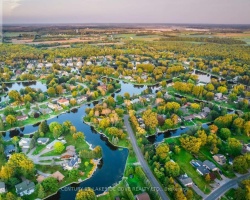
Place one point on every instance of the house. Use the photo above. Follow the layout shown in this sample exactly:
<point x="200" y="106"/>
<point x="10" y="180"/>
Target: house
<point x="185" y="180"/>
<point x="9" y="149"/>
<point x="220" y="159"/>
<point x="247" y="147"/>
<point x="42" y="141"/>
<point x="58" y="175"/>
<point x="30" y="66"/>
<point x="79" y="64"/>
<point x="25" y="188"/>
<point x="25" y="143"/>
<point x="202" y="170"/>
<point x="218" y="96"/>
<point x="143" y="196"/>
<point x="48" y="65"/>
<point x="81" y="99"/>
<point x="206" y="110"/>
<point x="40" y="178"/>
<point x="2" y="187"/>
<point x="22" y="118"/>
<point x="134" y="101"/>
<point x="73" y="163"/>
<point x="70" y="152"/>
<point x="54" y="106"/>
<point x="188" y="118"/>
<point x="102" y="87"/>
<point x="63" y="102"/>
<point x="45" y="111"/>
<point x="209" y="165"/>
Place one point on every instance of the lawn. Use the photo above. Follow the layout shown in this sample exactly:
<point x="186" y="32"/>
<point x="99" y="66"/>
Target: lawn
<point x="38" y="149"/>
<point x="183" y="159"/>
<point x="230" y="194"/>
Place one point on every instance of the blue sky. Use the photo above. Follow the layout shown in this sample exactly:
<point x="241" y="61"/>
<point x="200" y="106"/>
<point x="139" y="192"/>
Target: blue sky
<point x="127" y="11"/>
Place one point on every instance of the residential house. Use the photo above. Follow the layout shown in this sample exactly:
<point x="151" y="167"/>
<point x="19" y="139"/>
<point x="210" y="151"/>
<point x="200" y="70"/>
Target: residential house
<point x="220" y="159"/>
<point x="206" y="110"/>
<point x="42" y="141"/>
<point x="54" y="106"/>
<point x="209" y="165"/>
<point x="25" y="188"/>
<point x="143" y="196"/>
<point x="102" y="87"/>
<point x="247" y="147"/>
<point x="185" y="180"/>
<point x="2" y="187"/>
<point x="63" y="102"/>
<point x="9" y="149"/>
<point x="30" y="66"/>
<point x="73" y="163"/>
<point x="218" y="96"/>
<point x="40" y="178"/>
<point x="188" y="118"/>
<point x="79" y="64"/>
<point x="58" y="175"/>
<point x="21" y="118"/>
<point x="25" y="143"/>
<point x="70" y="152"/>
<point x="45" y="111"/>
<point x="81" y="99"/>
<point x="134" y="101"/>
<point x="48" y="65"/>
<point x="202" y="170"/>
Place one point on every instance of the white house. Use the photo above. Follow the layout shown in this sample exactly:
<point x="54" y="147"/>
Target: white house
<point x="25" y="188"/>
<point x="2" y="187"/>
<point x="25" y="143"/>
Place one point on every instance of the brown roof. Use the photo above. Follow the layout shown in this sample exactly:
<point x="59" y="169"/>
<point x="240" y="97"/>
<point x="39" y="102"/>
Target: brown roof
<point x="58" y="175"/>
<point x="70" y="148"/>
<point x="40" y="178"/>
<point x="143" y="196"/>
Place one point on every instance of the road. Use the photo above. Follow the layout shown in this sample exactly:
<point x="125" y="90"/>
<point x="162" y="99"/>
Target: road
<point x="144" y="164"/>
<point x="225" y="187"/>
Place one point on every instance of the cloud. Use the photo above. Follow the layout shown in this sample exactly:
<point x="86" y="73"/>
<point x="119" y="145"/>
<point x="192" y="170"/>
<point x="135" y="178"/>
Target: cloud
<point x="10" y="5"/>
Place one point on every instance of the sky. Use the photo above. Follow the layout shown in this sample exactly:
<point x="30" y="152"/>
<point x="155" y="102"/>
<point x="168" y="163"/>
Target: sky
<point x="126" y="11"/>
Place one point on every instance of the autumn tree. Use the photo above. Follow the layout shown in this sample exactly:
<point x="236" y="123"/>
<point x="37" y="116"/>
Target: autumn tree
<point x="191" y="143"/>
<point x="162" y="151"/>
<point x="85" y="194"/>
<point x="59" y="147"/>
<point x="172" y="168"/>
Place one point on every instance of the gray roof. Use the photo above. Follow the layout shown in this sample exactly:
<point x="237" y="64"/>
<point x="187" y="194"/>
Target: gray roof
<point x="203" y="170"/>
<point x="209" y="164"/>
<point x="25" y="185"/>
<point x="185" y="180"/>
<point x="42" y="140"/>
<point x="73" y="161"/>
<point x="2" y="185"/>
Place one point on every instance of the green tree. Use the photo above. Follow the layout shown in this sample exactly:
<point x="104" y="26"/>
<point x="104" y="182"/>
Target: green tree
<point x="59" y="147"/>
<point x="234" y="146"/>
<point x="11" y="120"/>
<point x="225" y="133"/>
<point x="50" y="184"/>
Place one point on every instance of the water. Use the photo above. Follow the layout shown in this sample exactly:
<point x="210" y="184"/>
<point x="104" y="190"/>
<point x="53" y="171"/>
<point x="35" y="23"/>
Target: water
<point x="114" y="159"/>
<point x="174" y="133"/>
<point x="18" y="86"/>
<point x="203" y="77"/>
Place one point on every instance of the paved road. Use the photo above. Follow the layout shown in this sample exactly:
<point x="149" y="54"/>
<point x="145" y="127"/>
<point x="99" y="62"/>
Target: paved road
<point x="144" y="164"/>
<point x="225" y="187"/>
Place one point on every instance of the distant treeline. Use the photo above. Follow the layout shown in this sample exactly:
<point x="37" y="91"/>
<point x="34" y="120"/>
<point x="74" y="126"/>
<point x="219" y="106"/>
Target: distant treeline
<point x="204" y="39"/>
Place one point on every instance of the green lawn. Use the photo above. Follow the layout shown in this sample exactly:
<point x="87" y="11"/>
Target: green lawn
<point x="39" y="148"/>
<point x="229" y="195"/>
<point x="183" y="159"/>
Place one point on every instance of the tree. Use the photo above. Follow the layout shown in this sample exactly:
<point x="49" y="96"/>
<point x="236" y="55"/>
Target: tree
<point x="59" y="147"/>
<point x="56" y="129"/>
<point x="225" y="133"/>
<point x="240" y="164"/>
<point x="6" y="172"/>
<point x="51" y="92"/>
<point x="191" y="143"/>
<point x="43" y="127"/>
<point x="50" y="184"/>
<point x="189" y="194"/>
<point x="150" y="119"/>
<point x="1" y="124"/>
<point x="234" y="146"/>
<point x="208" y="178"/>
<point x="11" y="120"/>
<point x="195" y="106"/>
<point x="74" y="173"/>
<point x="78" y="136"/>
<point x="72" y="102"/>
<point x="162" y="151"/>
<point x="85" y="194"/>
<point x="172" y="168"/>
<point x="203" y="136"/>
<point x="40" y="191"/>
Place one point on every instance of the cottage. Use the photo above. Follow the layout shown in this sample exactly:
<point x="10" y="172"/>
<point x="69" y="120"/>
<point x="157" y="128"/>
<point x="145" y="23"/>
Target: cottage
<point x="134" y="101"/>
<point x="143" y="196"/>
<point x="209" y="165"/>
<point x="54" y="106"/>
<point x="81" y="99"/>
<point x="102" y="87"/>
<point x="40" y="178"/>
<point x="185" y="180"/>
<point x="220" y="159"/>
<point x="42" y="141"/>
<point x="45" y="111"/>
<point x="218" y="96"/>
<point x="70" y="152"/>
<point x="206" y="110"/>
<point x="9" y="149"/>
<point x="188" y="118"/>
<point x="25" y="188"/>
<point x="58" y="175"/>
<point x="25" y="143"/>
<point x="21" y="118"/>
<point x="63" y="102"/>
<point x="2" y="187"/>
<point x="73" y="163"/>
<point x="48" y="65"/>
